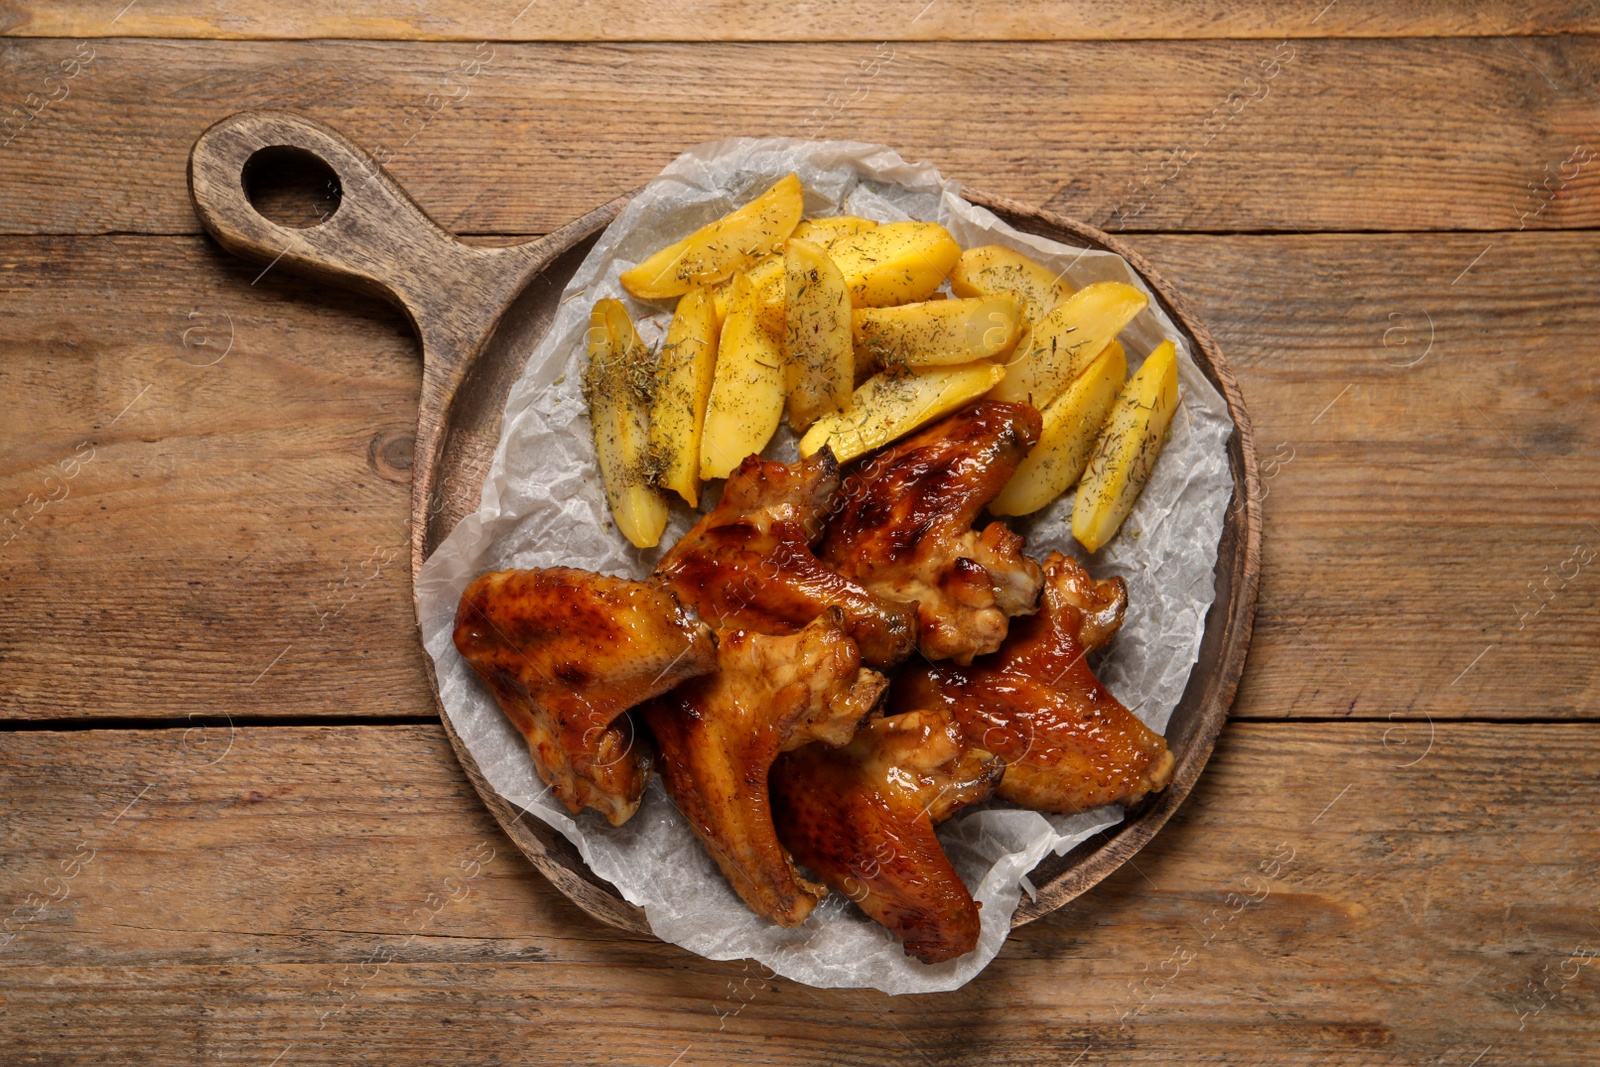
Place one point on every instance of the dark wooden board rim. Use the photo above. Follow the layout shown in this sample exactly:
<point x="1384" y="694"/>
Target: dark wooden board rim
<point x="461" y="299"/>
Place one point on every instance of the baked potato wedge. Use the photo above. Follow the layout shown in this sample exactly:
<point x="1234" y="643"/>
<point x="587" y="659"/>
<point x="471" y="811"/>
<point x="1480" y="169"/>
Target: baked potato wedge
<point x="935" y="333"/>
<point x="819" y="361"/>
<point x="685" y="366"/>
<point x="1072" y="424"/>
<point x="746" y="399"/>
<point x="618" y="384"/>
<point x="895" y="263"/>
<point x="714" y="251"/>
<point x="766" y="277"/>
<point x="823" y="232"/>
<point x="1067" y="340"/>
<point x="995" y="270"/>
<point x="1126" y="452"/>
<point x="889" y="406"/>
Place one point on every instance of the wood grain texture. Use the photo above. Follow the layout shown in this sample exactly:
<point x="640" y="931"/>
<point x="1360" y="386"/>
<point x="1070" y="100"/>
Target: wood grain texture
<point x="247" y="502"/>
<point x="1178" y="136"/>
<point x="242" y="510"/>
<point x="819" y="20"/>
<point x="262" y="900"/>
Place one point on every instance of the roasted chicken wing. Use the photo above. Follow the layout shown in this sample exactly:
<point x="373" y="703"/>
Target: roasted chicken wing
<point x="902" y="527"/>
<point x="748" y="563"/>
<point x="862" y="817"/>
<point x="1069" y="745"/>
<point x="719" y="736"/>
<point x="566" y="653"/>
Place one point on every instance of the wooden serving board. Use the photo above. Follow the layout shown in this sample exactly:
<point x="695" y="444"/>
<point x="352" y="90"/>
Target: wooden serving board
<point x="479" y="311"/>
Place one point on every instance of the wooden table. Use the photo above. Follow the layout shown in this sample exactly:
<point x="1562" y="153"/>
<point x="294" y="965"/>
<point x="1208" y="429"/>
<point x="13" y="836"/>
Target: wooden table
<point x="230" y="817"/>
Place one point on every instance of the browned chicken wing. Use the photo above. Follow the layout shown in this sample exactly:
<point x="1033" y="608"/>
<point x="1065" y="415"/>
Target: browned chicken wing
<point x="903" y="528"/>
<point x="566" y="653"/>
<point x="748" y="563"/>
<point x="719" y="736"/>
<point x="1069" y="745"/>
<point x="862" y="817"/>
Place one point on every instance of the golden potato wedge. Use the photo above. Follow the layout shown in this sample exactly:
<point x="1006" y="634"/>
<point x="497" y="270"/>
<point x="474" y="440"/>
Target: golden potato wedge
<point x="686" y="364"/>
<point x="618" y="383"/>
<point x="716" y="250"/>
<point x="888" y="406"/>
<point x="895" y="263"/>
<point x="1072" y="423"/>
<point x="824" y="232"/>
<point x="746" y="389"/>
<point x="936" y="333"/>
<point x="1066" y="341"/>
<point x="766" y="277"/>
<point x="819" y="362"/>
<point x="995" y="270"/>
<point x="1127" y="450"/>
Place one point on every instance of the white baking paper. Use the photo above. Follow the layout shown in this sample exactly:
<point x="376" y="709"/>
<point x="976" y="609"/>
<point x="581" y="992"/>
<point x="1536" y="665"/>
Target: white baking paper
<point x="543" y="505"/>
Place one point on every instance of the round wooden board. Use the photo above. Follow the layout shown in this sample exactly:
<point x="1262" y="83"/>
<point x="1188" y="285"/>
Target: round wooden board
<point x="480" y="311"/>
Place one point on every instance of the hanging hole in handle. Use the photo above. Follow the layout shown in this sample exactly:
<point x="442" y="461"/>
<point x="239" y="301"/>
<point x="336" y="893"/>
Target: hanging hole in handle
<point x="291" y="186"/>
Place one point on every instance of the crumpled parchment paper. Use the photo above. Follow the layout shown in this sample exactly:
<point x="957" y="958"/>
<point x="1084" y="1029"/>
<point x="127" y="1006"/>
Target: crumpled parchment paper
<point x="543" y="505"/>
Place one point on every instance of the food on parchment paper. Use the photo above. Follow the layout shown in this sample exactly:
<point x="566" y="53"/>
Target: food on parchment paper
<point x="731" y="243"/>
<point x="719" y="739"/>
<point x="752" y="655"/>
<point x="566" y="653"/>
<point x="895" y="263"/>
<point x="831" y="229"/>
<point x="844" y="321"/>
<point x="995" y="270"/>
<point x="936" y="333"/>
<point x="903" y="529"/>
<point x="1071" y="428"/>
<point x="1069" y="745"/>
<point x="619" y="382"/>
<point x="746" y="398"/>
<point x="749" y="562"/>
<point x="817" y="349"/>
<point x="889" y="406"/>
<point x="1128" y="448"/>
<point x="1060" y="346"/>
<point x="678" y="412"/>
<point x="862" y="817"/>
<point x="767" y="278"/>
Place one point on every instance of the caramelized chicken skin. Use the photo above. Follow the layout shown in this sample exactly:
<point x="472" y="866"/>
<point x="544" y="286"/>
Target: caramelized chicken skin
<point x="720" y="735"/>
<point x="862" y="817"/>
<point x="748" y="563"/>
<point x="902" y="527"/>
<point x="566" y="653"/>
<point x="1069" y="745"/>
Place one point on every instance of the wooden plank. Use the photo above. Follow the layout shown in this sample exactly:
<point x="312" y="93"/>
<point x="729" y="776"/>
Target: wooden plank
<point x="1178" y="136"/>
<point x="228" y="903"/>
<point x="825" y="20"/>
<point x="239" y="508"/>
<point x="235" y="513"/>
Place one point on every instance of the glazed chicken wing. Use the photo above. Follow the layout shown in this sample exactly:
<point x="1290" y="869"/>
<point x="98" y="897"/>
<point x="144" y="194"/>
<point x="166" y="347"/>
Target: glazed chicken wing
<point x="719" y="736"/>
<point x="566" y="653"/>
<point x="748" y="563"/>
<point x="903" y="529"/>
<point x="1069" y="745"/>
<point x="862" y="817"/>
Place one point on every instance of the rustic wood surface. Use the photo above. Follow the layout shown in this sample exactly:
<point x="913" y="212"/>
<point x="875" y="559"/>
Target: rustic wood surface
<point x="292" y="888"/>
<point x="1391" y="239"/>
<point x="816" y="20"/>
<point x="1083" y="128"/>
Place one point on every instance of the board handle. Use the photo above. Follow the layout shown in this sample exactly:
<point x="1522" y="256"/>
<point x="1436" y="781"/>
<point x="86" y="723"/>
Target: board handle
<point x="376" y="240"/>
